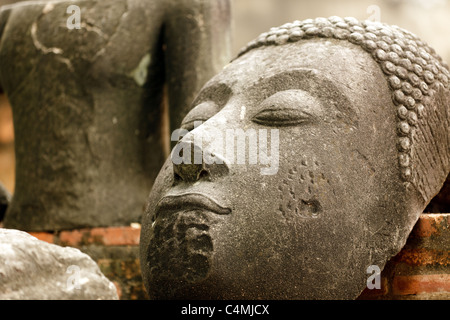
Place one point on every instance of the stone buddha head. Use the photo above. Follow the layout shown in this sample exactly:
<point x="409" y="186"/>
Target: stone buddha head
<point x="348" y="122"/>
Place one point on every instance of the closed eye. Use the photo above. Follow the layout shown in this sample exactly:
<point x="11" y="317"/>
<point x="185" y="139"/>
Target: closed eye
<point x="282" y="117"/>
<point x="199" y="114"/>
<point x="288" y="108"/>
<point x="189" y="126"/>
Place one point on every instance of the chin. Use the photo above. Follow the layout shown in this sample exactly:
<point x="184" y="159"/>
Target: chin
<point x="179" y="253"/>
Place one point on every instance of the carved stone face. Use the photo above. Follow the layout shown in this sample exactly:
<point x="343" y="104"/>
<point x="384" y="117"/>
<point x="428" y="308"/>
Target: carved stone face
<point x="334" y="205"/>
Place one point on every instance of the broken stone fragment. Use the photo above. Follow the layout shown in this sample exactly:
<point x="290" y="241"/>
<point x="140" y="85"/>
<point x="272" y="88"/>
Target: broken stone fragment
<point x="31" y="269"/>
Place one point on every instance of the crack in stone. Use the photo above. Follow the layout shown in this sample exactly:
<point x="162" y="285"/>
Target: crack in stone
<point x="92" y="28"/>
<point x="40" y="46"/>
<point x="102" y="50"/>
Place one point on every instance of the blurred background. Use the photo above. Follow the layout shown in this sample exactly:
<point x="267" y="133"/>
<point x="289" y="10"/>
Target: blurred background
<point x="429" y="19"/>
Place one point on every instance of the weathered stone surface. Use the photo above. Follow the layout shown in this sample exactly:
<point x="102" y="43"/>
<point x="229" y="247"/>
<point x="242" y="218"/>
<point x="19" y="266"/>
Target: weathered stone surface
<point x="91" y="127"/>
<point x="358" y="113"/>
<point x="116" y="251"/>
<point x="34" y="269"/>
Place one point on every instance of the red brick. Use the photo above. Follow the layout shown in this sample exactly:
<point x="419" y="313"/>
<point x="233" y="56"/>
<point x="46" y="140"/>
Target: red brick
<point x="44" y="236"/>
<point x="73" y="238"/>
<point x="415" y="284"/>
<point x="423" y="257"/>
<point x="431" y="224"/>
<point x="112" y="236"/>
<point x="116" y="236"/>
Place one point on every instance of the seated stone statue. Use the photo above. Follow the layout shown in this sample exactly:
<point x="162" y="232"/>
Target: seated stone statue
<point x="86" y="80"/>
<point x="359" y="113"/>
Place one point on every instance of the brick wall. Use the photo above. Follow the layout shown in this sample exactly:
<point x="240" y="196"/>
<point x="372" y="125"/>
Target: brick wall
<point x="420" y="271"/>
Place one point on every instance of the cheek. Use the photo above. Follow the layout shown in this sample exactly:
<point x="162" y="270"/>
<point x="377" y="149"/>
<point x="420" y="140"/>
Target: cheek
<point x="302" y="190"/>
<point x="162" y="184"/>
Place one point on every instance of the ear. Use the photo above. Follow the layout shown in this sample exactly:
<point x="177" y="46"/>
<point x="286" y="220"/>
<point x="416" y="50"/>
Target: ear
<point x="432" y="145"/>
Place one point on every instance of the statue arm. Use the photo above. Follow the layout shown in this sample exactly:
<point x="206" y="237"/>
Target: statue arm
<point x="4" y="15"/>
<point x="197" y="46"/>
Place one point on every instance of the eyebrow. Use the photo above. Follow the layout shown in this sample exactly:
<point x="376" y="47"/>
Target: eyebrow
<point x="311" y="81"/>
<point x="218" y="92"/>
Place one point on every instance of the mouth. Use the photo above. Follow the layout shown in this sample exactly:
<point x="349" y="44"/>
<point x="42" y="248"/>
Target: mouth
<point x="181" y="248"/>
<point x="189" y="201"/>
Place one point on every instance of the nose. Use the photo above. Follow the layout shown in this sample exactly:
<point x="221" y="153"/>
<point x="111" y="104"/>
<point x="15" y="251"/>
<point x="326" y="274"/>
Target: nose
<point x="192" y="163"/>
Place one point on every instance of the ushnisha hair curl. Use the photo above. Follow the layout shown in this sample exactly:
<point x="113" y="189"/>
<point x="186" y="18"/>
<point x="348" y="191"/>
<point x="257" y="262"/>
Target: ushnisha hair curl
<point x="418" y="79"/>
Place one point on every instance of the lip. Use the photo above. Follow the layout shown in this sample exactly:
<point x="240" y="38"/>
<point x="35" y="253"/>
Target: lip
<point x="186" y="201"/>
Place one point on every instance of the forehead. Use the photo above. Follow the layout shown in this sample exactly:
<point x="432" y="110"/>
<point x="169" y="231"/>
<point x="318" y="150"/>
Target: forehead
<point x="331" y="68"/>
<point x="343" y="63"/>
